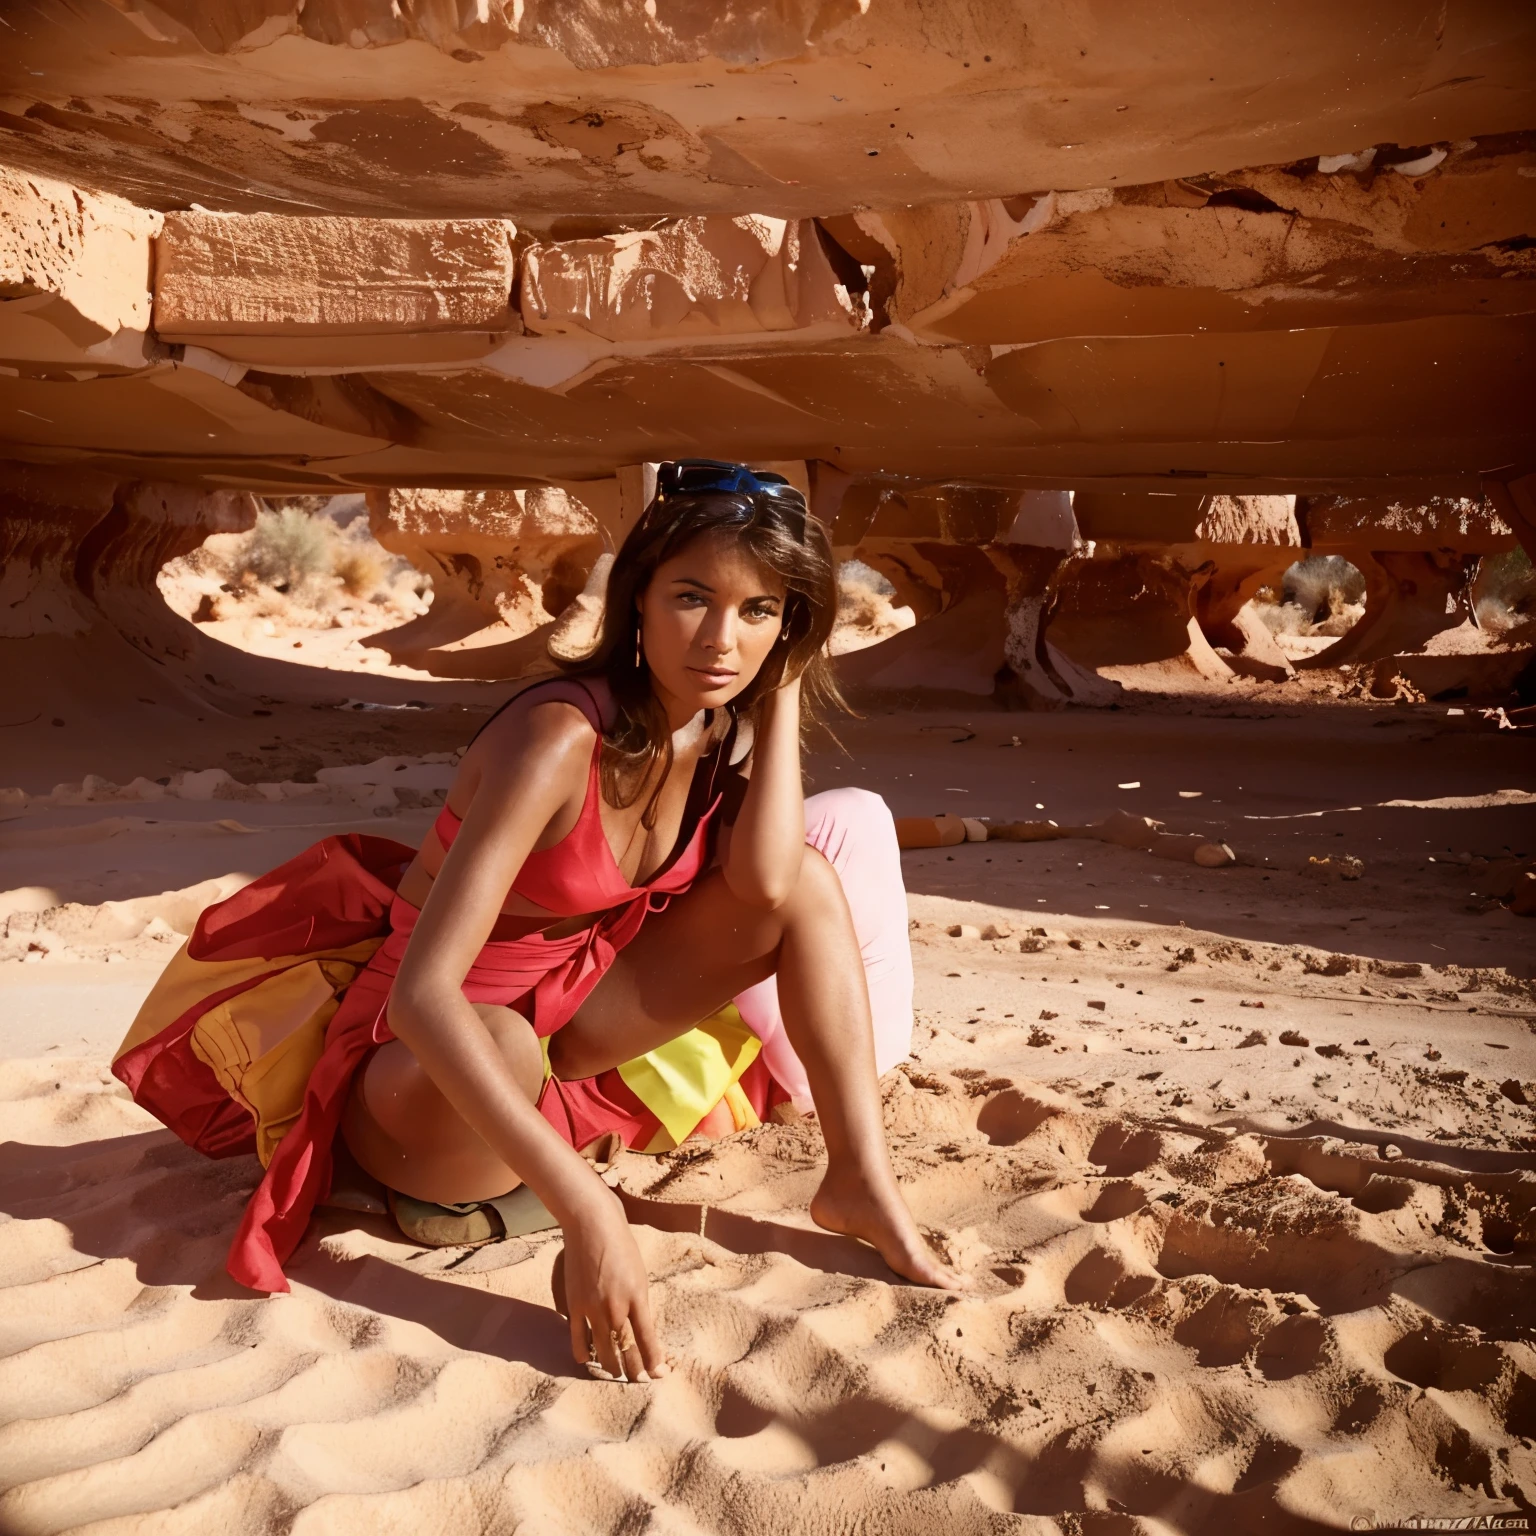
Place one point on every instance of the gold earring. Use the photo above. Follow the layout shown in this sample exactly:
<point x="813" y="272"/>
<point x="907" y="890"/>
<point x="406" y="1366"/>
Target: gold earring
<point x="639" y="658"/>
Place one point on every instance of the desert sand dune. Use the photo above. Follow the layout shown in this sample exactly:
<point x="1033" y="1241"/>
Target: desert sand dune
<point x="1257" y="1266"/>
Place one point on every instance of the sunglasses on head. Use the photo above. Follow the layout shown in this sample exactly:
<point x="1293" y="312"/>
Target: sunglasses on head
<point x="686" y="477"/>
<point x="679" y="477"/>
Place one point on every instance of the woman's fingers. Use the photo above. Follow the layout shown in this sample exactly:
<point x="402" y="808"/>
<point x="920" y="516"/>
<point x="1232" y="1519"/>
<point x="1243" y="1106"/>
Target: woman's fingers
<point x="607" y="1307"/>
<point x="634" y="1366"/>
<point x="557" y="1285"/>
<point x="606" y="1340"/>
<point x="647" y="1346"/>
<point x="623" y="1343"/>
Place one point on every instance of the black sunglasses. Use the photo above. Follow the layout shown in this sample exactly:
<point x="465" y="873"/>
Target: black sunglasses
<point x="686" y="477"/>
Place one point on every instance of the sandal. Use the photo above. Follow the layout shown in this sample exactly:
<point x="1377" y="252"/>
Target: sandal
<point x="471" y="1225"/>
<point x="353" y="1188"/>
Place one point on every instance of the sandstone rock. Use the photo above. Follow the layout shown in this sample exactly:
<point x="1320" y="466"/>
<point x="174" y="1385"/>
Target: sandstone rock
<point x="696" y="277"/>
<point x="1472" y="525"/>
<point x="277" y="275"/>
<point x="205" y="784"/>
<point x="1212" y="855"/>
<point x="1255" y="651"/>
<point x="1126" y="607"/>
<point x="1126" y="830"/>
<point x="929" y="831"/>
<point x="1225" y="253"/>
<point x="1249" y="520"/>
<point x="1329" y="965"/>
<point x="1123" y="829"/>
<point x="1483" y="673"/>
<point x="1409" y="598"/>
<point x="504" y="564"/>
<point x="959" y="652"/>
<point x="74" y="273"/>
<point x="1025" y="832"/>
<point x="576" y="632"/>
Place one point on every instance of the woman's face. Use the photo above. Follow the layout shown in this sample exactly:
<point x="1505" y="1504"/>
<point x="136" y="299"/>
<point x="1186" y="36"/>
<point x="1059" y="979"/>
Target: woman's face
<point x="708" y="619"/>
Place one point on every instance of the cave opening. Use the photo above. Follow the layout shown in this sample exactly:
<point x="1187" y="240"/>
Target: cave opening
<point x="1317" y="600"/>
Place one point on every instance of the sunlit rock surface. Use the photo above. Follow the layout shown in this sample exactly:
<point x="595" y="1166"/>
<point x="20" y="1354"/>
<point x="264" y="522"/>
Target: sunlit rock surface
<point x="1067" y="330"/>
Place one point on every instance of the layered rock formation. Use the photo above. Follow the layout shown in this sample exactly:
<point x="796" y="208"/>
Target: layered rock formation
<point x="949" y="262"/>
<point x="504" y="566"/>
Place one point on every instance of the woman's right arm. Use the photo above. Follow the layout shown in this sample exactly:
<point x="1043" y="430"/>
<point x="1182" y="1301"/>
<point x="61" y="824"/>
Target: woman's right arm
<point x="520" y="793"/>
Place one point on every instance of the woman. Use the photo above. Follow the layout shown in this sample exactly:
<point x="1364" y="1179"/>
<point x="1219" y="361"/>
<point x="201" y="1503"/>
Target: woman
<point x="622" y="853"/>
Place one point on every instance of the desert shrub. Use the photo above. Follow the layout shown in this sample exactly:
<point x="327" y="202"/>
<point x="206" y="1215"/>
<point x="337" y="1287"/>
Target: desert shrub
<point x="865" y="612"/>
<point x="1321" y="595"/>
<point x="1504" y="593"/>
<point x="857" y="584"/>
<point x="309" y="561"/>
<point x="287" y="549"/>
<point x="361" y="568"/>
<point x="1322" y="586"/>
<point x="1283" y="618"/>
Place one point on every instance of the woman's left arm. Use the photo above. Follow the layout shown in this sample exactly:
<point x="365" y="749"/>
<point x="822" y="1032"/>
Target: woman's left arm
<point x="767" y="841"/>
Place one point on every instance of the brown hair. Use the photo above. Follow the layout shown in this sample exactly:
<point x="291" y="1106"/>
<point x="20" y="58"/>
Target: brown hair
<point x="780" y="534"/>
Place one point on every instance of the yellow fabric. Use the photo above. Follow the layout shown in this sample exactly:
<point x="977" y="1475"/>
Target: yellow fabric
<point x="743" y="1116"/>
<point x="659" y="1143"/>
<point x="185" y="982"/>
<point x="681" y="1081"/>
<point x="263" y="1043"/>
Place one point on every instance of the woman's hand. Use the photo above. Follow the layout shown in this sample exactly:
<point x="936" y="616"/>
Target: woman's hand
<point x="607" y="1293"/>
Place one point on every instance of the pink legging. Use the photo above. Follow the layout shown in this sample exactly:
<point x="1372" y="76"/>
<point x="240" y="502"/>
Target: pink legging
<point x="853" y="830"/>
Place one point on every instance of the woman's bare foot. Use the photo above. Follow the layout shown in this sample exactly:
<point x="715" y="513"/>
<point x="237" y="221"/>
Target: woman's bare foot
<point x="849" y="1206"/>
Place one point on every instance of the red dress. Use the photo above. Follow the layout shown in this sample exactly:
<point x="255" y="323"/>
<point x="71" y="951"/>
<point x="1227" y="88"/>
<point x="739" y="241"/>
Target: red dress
<point x="336" y="901"/>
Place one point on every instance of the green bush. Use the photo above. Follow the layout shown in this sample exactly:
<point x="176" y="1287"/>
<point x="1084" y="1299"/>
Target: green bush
<point x="1505" y="590"/>
<point x="1322" y="586"/>
<point x="289" y="548"/>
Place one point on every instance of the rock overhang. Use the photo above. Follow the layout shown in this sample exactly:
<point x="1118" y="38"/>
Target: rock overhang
<point x="316" y="341"/>
<point x="941" y="258"/>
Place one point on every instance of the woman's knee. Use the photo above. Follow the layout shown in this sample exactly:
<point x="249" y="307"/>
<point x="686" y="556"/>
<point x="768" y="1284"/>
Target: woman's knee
<point x="519" y="1046"/>
<point x="848" y="820"/>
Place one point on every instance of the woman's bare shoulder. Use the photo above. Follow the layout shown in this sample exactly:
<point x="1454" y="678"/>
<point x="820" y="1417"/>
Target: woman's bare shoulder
<point x="544" y="738"/>
<point x="552" y="734"/>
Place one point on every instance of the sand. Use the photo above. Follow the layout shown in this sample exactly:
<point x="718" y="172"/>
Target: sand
<point x="1221" y="1279"/>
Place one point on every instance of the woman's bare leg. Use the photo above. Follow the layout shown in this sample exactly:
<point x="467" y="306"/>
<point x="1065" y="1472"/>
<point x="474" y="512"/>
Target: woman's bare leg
<point x="403" y="1131"/>
<point x="704" y="949"/>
